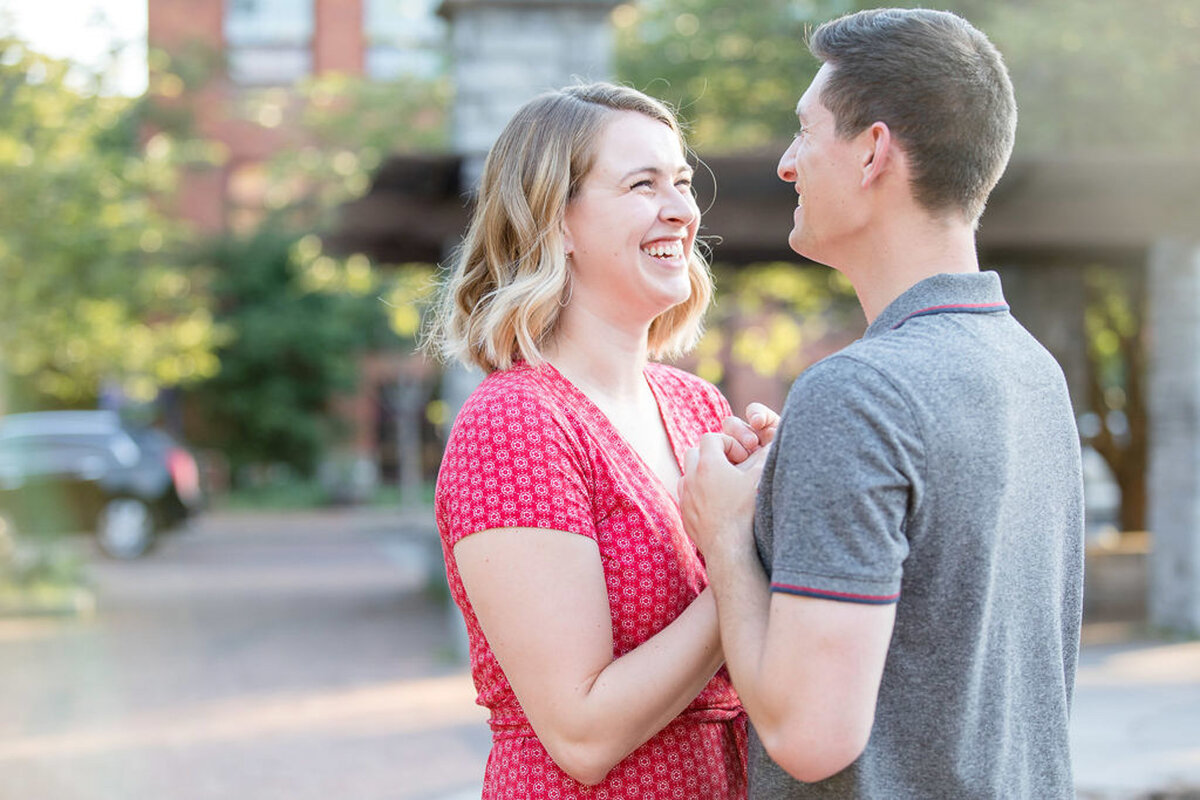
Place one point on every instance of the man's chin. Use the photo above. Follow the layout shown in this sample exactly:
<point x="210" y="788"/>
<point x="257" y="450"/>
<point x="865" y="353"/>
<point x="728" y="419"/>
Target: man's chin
<point x="805" y="249"/>
<point x="796" y="242"/>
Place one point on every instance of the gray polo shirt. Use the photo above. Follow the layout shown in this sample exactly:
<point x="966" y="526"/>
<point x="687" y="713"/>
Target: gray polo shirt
<point x="935" y="464"/>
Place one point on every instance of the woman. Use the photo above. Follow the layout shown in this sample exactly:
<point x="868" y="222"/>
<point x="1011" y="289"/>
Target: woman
<point x="593" y="639"/>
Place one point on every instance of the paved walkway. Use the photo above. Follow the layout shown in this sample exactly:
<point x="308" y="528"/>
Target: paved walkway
<point x="304" y="656"/>
<point x="252" y="658"/>
<point x="1135" y="728"/>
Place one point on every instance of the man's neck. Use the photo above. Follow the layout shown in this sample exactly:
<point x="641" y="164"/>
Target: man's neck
<point x="904" y="253"/>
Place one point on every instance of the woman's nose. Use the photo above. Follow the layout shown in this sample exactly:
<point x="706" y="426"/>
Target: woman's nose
<point x="681" y="208"/>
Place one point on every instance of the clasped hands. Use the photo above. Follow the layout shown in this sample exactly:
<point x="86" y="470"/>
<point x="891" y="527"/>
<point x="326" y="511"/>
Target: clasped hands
<point x="720" y="480"/>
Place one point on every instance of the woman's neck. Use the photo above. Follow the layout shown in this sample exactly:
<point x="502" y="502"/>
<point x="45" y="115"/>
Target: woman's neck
<point x="599" y="357"/>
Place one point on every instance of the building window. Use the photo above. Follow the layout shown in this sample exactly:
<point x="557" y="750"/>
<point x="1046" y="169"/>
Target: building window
<point x="269" y="42"/>
<point x="404" y="38"/>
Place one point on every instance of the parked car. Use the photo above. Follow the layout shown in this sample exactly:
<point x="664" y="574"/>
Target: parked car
<point x="66" y="471"/>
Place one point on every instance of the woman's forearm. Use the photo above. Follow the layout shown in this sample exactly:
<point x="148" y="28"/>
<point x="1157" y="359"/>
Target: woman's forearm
<point x="636" y="695"/>
<point x="541" y="599"/>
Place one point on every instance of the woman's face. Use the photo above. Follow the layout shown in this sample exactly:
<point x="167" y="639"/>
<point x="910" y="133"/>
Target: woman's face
<point x="632" y="224"/>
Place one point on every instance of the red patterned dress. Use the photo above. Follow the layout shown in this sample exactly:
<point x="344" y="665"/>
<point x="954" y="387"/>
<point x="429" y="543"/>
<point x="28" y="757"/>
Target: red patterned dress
<point x="530" y="450"/>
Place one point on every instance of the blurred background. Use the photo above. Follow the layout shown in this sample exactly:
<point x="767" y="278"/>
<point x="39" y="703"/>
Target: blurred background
<point x="221" y="223"/>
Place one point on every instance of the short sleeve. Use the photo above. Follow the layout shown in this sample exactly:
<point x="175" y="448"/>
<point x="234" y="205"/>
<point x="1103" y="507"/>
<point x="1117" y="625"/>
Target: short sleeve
<point x="512" y="461"/>
<point x="847" y="466"/>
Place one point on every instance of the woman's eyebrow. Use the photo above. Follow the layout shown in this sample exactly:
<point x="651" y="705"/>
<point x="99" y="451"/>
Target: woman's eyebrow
<point x="656" y="171"/>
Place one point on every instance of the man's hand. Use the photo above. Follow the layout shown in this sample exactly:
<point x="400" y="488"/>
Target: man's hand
<point x="717" y="496"/>
<point x="755" y="431"/>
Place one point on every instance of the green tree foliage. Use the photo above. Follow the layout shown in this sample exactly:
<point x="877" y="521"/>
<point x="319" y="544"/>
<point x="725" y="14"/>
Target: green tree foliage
<point x="775" y="318"/>
<point x="1116" y="395"/>
<point x="347" y="126"/>
<point x="93" y="286"/>
<point x="300" y="317"/>
<point x="1102" y="74"/>
<point x="1087" y="73"/>
<point x="733" y="70"/>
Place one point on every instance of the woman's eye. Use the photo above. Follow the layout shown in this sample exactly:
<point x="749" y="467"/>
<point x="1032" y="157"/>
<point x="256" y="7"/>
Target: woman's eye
<point x="642" y="183"/>
<point x="684" y="183"/>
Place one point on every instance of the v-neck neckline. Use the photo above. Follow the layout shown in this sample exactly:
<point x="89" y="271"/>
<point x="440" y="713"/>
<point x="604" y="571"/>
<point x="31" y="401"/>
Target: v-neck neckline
<point x="612" y="432"/>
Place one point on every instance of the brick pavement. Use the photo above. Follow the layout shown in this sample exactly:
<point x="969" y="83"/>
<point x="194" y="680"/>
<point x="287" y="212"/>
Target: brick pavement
<point x="303" y="655"/>
<point x="280" y="656"/>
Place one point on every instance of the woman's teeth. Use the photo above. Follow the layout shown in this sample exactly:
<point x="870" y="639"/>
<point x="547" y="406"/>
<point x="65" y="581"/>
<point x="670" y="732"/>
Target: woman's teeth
<point x="664" y="249"/>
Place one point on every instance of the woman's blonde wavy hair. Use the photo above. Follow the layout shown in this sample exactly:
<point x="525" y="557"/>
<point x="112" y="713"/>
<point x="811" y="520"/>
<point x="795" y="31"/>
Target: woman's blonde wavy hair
<point x="509" y="279"/>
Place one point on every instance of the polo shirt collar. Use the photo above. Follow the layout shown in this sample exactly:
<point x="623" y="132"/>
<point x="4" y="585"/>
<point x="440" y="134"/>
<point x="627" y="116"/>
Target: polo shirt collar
<point x="957" y="293"/>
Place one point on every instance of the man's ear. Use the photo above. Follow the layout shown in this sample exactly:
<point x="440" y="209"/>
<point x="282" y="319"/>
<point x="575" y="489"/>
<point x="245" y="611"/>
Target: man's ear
<point x="878" y="152"/>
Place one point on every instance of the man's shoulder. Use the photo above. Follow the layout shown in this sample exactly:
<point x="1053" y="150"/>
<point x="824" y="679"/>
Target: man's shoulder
<point x="934" y="347"/>
<point x="866" y="362"/>
<point x="857" y="382"/>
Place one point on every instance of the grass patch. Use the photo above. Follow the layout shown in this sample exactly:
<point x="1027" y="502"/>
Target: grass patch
<point x="41" y="575"/>
<point x="300" y="495"/>
<point x="289" y="495"/>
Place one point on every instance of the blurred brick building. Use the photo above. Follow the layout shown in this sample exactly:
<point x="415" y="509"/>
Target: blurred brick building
<point x="249" y="50"/>
<point x="259" y="46"/>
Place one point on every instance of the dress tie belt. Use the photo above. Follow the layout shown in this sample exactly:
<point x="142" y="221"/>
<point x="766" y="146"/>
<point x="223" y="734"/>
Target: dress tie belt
<point x="509" y="725"/>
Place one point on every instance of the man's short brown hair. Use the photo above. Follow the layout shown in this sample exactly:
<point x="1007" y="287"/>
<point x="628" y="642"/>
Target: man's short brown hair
<point x="939" y="85"/>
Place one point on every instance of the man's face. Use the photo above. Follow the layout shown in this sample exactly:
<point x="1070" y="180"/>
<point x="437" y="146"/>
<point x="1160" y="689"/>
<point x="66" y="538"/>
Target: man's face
<point x="827" y="173"/>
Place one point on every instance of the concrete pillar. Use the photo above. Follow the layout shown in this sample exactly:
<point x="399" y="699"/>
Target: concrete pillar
<point x="1174" y="410"/>
<point x="507" y="51"/>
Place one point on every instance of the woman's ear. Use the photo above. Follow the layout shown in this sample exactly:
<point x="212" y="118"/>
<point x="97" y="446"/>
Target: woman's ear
<point x="568" y="240"/>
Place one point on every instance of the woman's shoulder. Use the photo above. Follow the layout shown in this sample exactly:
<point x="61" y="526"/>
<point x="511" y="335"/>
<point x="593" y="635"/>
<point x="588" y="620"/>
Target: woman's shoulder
<point x="519" y="384"/>
<point x="521" y="395"/>
<point x="683" y="385"/>
<point x="665" y="374"/>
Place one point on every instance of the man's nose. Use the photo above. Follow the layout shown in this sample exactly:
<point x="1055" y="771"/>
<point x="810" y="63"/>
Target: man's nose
<point x="786" y="170"/>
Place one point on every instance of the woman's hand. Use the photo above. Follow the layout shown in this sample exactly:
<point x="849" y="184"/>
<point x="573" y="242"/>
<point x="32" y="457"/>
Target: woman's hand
<point x="757" y="430"/>
<point x="717" y="494"/>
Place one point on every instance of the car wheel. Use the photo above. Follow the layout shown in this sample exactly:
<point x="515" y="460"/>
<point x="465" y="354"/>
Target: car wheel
<point x="125" y="528"/>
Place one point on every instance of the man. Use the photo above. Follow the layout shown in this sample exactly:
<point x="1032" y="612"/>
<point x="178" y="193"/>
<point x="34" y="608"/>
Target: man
<point x="914" y="633"/>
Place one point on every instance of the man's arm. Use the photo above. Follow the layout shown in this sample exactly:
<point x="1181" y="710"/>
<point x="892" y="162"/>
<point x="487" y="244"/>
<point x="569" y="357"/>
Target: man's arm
<point x="807" y="670"/>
